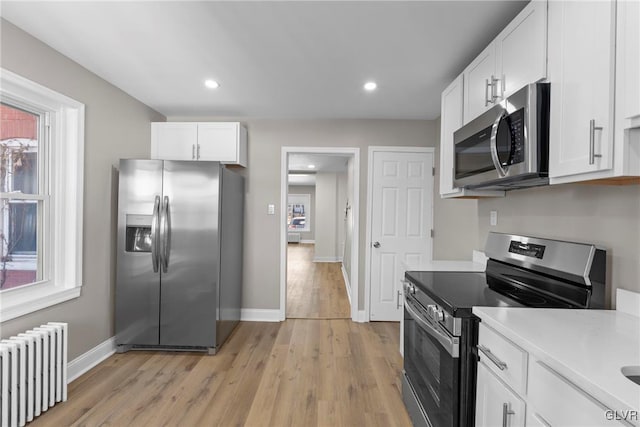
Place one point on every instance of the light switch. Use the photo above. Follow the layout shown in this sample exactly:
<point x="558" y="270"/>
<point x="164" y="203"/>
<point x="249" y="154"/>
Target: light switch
<point x="271" y="209"/>
<point x="493" y="218"/>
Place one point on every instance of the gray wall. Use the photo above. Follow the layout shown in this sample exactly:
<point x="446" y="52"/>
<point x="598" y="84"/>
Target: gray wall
<point x="267" y="137"/>
<point x="326" y="216"/>
<point x="608" y="216"/>
<point x="456" y="221"/>
<point x="116" y="125"/>
<point x="311" y="191"/>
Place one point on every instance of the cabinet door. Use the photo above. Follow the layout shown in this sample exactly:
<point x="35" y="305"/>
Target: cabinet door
<point x="174" y="140"/>
<point x="580" y="72"/>
<point x="491" y="397"/>
<point x="218" y="141"/>
<point x="521" y="49"/>
<point x="628" y="63"/>
<point x="476" y="92"/>
<point x="450" y="121"/>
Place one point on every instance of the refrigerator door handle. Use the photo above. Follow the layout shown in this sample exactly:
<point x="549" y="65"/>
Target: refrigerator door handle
<point x="155" y="234"/>
<point x="165" y="231"/>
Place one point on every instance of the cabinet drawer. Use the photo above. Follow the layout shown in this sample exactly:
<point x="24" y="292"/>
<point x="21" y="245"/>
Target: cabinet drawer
<point x="504" y="358"/>
<point x="560" y="403"/>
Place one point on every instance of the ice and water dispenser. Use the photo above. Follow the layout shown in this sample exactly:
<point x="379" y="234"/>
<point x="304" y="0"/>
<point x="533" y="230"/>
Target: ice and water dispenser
<point x="138" y="233"/>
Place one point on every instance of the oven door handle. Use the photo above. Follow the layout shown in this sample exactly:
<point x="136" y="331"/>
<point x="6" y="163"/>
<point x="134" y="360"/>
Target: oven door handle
<point x="450" y="344"/>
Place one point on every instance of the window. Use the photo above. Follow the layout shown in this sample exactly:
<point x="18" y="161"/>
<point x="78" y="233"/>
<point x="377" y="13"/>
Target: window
<point x="23" y="202"/>
<point x="298" y="212"/>
<point x="41" y="184"/>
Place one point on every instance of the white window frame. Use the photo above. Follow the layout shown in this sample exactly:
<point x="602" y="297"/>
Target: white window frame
<point x="302" y="199"/>
<point x="62" y="251"/>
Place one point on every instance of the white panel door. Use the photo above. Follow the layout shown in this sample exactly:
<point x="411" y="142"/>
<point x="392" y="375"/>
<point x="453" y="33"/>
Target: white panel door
<point x="401" y="221"/>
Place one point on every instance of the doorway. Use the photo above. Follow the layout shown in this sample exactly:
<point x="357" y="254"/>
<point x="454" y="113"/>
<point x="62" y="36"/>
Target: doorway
<point x="319" y="232"/>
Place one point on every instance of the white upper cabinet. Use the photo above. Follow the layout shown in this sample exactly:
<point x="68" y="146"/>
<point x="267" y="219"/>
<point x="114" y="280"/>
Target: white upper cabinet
<point x="225" y="142"/>
<point x="581" y="65"/>
<point x="521" y="49"/>
<point x="628" y="64"/>
<point x="174" y="141"/>
<point x="450" y="121"/>
<point x="517" y="57"/>
<point x="479" y="93"/>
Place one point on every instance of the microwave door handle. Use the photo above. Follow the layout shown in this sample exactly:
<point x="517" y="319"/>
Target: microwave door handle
<point x="155" y="234"/>
<point x="450" y="345"/>
<point x="502" y="172"/>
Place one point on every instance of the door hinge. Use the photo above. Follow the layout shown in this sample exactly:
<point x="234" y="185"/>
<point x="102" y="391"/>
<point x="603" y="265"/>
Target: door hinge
<point x="433" y="171"/>
<point x="431" y="233"/>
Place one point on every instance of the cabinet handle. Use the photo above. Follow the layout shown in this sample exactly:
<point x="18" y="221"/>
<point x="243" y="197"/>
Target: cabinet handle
<point x="505" y="414"/>
<point x="193" y="151"/>
<point x="486" y="92"/>
<point x="399" y="303"/>
<point x="592" y="141"/>
<point x="493" y="84"/>
<point x="499" y="363"/>
<point x="198" y="152"/>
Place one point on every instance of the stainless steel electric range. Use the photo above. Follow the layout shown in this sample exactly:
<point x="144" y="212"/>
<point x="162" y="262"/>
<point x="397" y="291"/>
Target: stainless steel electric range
<point x="441" y="334"/>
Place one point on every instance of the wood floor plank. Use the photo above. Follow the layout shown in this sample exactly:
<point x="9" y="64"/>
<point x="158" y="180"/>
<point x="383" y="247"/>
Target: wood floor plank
<point x="315" y="290"/>
<point x="301" y="372"/>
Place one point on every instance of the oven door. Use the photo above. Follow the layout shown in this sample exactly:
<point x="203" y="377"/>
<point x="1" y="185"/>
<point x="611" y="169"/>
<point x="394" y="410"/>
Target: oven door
<point x="431" y="365"/>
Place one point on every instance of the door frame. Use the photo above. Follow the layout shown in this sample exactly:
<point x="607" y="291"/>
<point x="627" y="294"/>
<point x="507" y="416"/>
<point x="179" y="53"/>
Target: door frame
<point x="369" y="230"/>
<point x="355" y="212"/>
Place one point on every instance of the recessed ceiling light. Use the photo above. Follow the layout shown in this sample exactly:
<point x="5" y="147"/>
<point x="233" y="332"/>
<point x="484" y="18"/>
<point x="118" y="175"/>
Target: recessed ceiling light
<point x="311" y="166"/>
<point x="370" y="86"/>
<point x="211" y="84"/>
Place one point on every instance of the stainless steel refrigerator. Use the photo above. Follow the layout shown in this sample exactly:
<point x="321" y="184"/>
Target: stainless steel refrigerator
<point x="179" y="261"/>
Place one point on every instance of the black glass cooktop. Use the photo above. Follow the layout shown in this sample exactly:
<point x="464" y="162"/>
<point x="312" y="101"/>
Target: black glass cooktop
<point x="458" y="292"/>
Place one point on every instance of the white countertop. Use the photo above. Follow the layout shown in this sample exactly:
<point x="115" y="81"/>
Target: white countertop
<point x="478" y="264"/>
<point x="588" y="347"/>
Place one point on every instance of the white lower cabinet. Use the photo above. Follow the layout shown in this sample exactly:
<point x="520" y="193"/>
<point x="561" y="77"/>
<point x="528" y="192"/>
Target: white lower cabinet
<point x="559" y="402"/>
<point x="516" y="389"/>
<point x="497" y="404"/>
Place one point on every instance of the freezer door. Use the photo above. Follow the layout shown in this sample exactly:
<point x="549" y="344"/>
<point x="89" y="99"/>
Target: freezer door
<point x="137" y="285"/>
<point x="189" y="253"/>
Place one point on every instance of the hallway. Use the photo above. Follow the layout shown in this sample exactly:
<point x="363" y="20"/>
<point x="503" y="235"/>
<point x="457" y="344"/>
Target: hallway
<point x="315" y="290"/>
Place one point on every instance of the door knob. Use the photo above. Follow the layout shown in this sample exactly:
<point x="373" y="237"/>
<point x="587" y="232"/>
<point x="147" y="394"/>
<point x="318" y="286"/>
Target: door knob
<point x="376" y="245"/>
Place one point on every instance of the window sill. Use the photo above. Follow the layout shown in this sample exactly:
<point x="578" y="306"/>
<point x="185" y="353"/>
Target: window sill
<point x="16" y="304"/>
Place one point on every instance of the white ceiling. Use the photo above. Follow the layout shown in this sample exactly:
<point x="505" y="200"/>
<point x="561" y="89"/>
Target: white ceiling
<point x="273" y="59"/>
<point x="301" y="174"/>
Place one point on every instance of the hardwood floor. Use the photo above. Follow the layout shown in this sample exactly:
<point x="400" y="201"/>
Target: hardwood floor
<point x="294" y="373"/>
<point x="315" y="290"/>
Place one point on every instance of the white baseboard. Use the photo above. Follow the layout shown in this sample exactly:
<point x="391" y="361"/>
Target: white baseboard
<point x="91" y="358"/>
<point x="308" y="242"/>
<point x="361" y="317"/>
<point x="259" y="315"/>
<point x="347" y="285"/>
<point x="327" y="259"/>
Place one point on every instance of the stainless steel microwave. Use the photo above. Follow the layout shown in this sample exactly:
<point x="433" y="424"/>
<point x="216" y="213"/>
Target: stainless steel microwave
<point x="507" y="147"/>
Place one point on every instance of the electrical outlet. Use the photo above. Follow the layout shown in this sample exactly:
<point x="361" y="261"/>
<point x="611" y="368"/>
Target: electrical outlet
<point x="271" y="209"/>
<point x="493" y="218"/>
